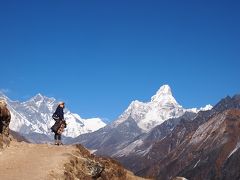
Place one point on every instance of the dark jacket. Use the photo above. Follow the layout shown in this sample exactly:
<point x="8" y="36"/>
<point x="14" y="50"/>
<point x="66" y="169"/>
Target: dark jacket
<point x="59" y="112"/>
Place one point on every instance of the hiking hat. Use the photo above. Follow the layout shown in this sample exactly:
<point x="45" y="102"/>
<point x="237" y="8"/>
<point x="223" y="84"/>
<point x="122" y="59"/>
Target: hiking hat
<point x="61" y="103"/>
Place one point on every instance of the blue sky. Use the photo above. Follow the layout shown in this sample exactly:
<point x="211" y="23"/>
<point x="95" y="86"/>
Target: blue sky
<point x="98" y="56"/>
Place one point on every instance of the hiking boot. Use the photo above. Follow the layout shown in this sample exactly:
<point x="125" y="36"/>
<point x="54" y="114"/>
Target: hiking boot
<point x="56" y="142"/>
<point x="60" y="143"/>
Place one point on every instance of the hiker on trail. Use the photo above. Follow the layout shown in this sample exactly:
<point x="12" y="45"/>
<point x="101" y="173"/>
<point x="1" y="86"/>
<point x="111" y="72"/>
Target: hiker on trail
<point x="60" y="123"/>
<point x="5" y="118"/>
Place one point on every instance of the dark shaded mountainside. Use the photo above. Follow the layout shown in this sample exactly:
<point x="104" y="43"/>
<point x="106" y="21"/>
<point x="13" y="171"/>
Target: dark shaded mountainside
<point x="206" y="147"/>
<point x="22" y="160"/>
<point x="196" y="146"/>
<point x="109" y="139"/>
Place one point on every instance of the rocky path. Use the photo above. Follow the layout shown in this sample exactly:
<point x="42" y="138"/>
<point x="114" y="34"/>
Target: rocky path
<point x="31" y="161"/>
<point x="23" y="161"/>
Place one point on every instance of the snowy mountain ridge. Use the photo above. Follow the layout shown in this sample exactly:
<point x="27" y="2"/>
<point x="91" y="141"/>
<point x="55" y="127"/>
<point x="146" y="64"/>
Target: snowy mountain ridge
<point x="35" y="116"/>
<point x="140" y="121"/>
<point x="162" y="106"/>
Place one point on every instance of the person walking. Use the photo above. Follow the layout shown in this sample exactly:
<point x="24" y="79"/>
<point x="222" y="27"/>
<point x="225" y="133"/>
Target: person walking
<point x="60" y="123"/>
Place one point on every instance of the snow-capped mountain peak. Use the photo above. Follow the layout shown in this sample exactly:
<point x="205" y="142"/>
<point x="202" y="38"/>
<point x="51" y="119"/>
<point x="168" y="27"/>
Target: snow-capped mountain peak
<point x="164" y="97"/>
<point x="35" y="116"/>
<point x="196" y="110"/>
<point x="41" y="98"/>
<point x="206" y="108"/>
<point x="39" y="95"/>
<point x="134" y="104"/>
<point x="164" y="89"/>
<point x="162" y="107"/>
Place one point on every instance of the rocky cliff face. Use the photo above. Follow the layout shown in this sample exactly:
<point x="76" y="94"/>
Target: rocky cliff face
<point x="84" y="165"/>
<point x="202" y="153"/>
<point x="201" y="148"/>
<point x="231" y="168"/>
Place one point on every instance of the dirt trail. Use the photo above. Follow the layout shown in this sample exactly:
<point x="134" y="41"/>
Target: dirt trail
<point x="31" y="161"/>
<point x="23" y="161"/>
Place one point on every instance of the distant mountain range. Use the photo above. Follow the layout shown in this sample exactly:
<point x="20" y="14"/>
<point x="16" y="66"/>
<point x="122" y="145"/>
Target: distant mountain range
<point x="161" y="140"/>
<point x="138" y="119"/>
<point x="33" y="119"/>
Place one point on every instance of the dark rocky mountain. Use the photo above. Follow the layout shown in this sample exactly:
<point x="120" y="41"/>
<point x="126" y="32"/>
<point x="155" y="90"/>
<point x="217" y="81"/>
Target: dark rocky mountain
<point x="212" y="148"/>
<point x="133" y="154"/>
<point x="231" y="168"/>
<point x="228" y="103"/>
<point x="109" y="140"/>
<point x="142" y="142"/>
<point x="201" y="148"/>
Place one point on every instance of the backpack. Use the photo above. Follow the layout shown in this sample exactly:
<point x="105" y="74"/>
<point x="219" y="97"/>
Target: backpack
<point x="59" y="126"/>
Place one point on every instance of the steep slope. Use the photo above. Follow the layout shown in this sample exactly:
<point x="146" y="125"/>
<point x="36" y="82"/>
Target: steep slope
<point x="231" y="168"/>
<point x="197" y="149"/>
<point x="33" y="119"/>
<point x="133" y="155"/>
<point x="216" y="143"/>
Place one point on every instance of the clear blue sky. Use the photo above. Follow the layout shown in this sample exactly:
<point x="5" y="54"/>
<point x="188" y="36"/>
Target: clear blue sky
<point x="98" y="56"/>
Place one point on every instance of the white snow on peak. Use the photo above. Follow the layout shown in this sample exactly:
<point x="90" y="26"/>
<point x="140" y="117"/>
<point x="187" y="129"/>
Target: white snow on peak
<point x="162" y="107"/>
<point x="196" y="110"/>
<point x="94" y="124"/>
<point x="35" y="116"/>
<point x="37" y="97"/>
<point x="164" y="90"/>
<point x="206" y="108"/>
<point x="164" y="97"/>
<point x="77" y="126"/>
